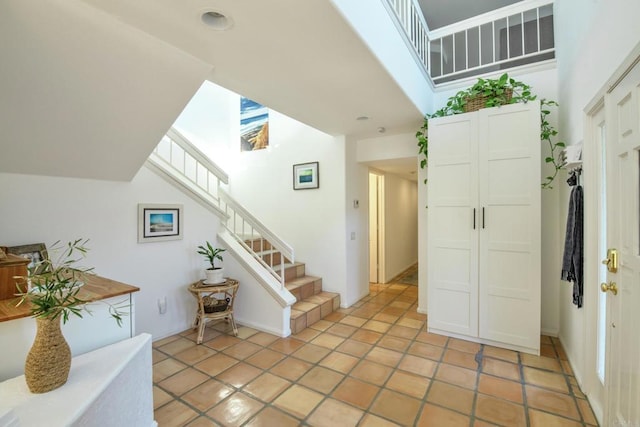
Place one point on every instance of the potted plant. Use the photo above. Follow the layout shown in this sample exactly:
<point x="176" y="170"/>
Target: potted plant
<point x="214" y="275"/>
<point x="51" y="288"/>
<point x="487" y="93"/>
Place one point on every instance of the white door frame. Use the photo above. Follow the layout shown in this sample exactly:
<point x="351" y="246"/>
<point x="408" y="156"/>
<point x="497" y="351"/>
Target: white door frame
<point x="379" y="218"/>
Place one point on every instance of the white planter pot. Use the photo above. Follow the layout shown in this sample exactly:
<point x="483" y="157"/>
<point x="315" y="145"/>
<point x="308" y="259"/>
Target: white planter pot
<point x="214" y="277"/>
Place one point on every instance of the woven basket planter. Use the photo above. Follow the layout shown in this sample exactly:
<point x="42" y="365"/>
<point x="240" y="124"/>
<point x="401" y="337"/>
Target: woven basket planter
<point x="49" y="360"/>
<point x="479" y="102"/>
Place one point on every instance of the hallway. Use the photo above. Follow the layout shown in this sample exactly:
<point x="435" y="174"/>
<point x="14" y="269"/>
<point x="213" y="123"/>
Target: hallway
<point x="370" y="365"/>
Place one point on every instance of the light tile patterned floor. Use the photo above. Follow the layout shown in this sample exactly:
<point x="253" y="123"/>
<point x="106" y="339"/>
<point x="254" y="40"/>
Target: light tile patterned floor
<point x="373" y="364"/>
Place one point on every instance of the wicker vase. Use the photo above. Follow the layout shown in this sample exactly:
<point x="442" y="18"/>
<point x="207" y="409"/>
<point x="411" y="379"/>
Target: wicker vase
<point x="49" y="360"/>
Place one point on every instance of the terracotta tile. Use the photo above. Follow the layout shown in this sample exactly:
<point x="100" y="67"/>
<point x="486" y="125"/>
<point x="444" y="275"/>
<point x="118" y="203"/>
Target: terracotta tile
<point x="394" y="343"/>
<point x="286" y="345"/>
<point x="353" y="321"/>
<point x="545" y="339"/>
<point x="263" y="338"/>
<point x="480" y="423"/>
<point x="566" y="367"/>
<point x="167" y="340"/>
<point x="160" y="397"/>
<point x="339" y="362"/>
<point x="585" y="410"/>
<point x="500" y="411"/>
<point x="270" y="417"/>
<point x="369" y="337"/>
<point x="377" y="326"/>
<point x="370" y="420"/>
<point x="426" y="350"/>
<point x="396" y="407"/>
<point x="203" y="422"/>
<point x="550" y="401"/>
<point x="393" y="311"/>
<point x="548" y="350"/>
<point x="242" y="350"/>
<point x="291" y="368"/>
<point x="321" y="379"/>
<point x="298" y="401"/>
<point x="166" y="368"/>
<point x="207" y="395"/>
<point x="545" y="379"/>
<point x="245" y="332"/>
<point x="235" y="410"/>
<point x="434" y="339"/>
<point x="407" y="383"/>
<point x="455" y="375"/>
<point x="384" y="356"/>
<point x="354" y="348"/>
<point x="460" y="358"/>
<point x="400" y="304"/>
<point x="221" y="342"/>
<point x="411" y="323"/>
<point x="176" y="346"/>
<point x="216" y="364"/>
<point x="307" y="334"/>
<point x="322" y="325"/>
<point x="265" y="358"/>
<point x="239" y="374"/>
<point x="451" y="397"/>
<point x="333" y="413"/>
<point x="403" y="332"/>
<point x="157" y="356"/>
<point x="266" y="387"/>
<point x="500" y="369"/>
<point x="311" y="353"/>
<point x="340" y="330"/>
<point x="541" y="362"/>
<point x="500" y="353"/>
<point x="462" y="345"/>
<point x="371" y="372"/>
<point x="542" y="419"/>
<point x="418" y="365"/>
<point x="175" y="414"/>
<point x="436" y="416"/>
<point x="327" y="340"/>
<point x="335" y="316"/>
<point x="499" y="387"/>
<point x="183" y="381"/>
<point x="386" y="318"/>
<point x="356" y="392"/>
<point x="195" y="354"/>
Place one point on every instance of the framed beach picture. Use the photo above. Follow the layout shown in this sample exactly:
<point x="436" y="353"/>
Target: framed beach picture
<point x="306" y="176"/>
<point x="34" y="252"/>
<point x="159" y="222"/>
<point x="254" y="125"/>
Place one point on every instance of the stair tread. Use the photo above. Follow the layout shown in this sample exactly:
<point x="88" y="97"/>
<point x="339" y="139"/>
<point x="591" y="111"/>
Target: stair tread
<point x="300" y="281"/>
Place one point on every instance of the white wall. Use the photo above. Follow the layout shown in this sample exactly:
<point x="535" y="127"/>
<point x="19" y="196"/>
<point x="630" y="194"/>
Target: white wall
<point x="313" y="222"/>
<point x="592" y="39"/>
<point x="400" y="225"/>
<point x="46" y="209"/>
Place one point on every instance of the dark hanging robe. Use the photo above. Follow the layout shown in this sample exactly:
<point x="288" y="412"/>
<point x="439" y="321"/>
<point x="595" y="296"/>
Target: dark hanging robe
<point x="572" y="270"/>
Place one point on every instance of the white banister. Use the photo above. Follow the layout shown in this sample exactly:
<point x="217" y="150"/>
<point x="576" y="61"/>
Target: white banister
<point x="187" y="166"/>
<point x="441" y="47"/>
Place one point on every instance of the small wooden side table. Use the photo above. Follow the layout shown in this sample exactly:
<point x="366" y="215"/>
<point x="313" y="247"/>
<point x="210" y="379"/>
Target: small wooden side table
<point x="224" y="294"/>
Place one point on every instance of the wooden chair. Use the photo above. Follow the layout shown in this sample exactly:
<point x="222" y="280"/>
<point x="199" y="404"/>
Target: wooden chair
<point x="224" y="294"/>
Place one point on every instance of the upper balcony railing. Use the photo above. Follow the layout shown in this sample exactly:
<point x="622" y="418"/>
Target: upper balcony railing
<point x="508" y="37"/>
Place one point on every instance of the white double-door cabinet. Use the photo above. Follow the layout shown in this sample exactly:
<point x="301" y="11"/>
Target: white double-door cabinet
<point x="484" y="231"/>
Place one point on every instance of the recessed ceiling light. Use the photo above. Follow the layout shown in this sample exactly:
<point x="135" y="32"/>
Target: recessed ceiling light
<point x="362" y="118"/>
<point x="216" y="20"/>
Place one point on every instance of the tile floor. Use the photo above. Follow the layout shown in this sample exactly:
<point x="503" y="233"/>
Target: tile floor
<point x="373" y="364"/>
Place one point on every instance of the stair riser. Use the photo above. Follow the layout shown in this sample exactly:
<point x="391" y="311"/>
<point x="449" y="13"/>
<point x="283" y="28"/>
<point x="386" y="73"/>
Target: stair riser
<point x="258" y="245"/>
<point x="312" y="316"/>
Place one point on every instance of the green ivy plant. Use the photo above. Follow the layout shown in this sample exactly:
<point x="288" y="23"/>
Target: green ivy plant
<point x="496" y="93"/>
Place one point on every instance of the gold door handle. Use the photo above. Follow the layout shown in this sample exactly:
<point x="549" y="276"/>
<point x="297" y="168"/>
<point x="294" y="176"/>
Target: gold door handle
<point x="611" y="261"/>
<point x="612" y="286"/>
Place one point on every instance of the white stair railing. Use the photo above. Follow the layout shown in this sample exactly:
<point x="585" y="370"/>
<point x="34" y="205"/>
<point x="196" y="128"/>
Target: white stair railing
<point x="515" y="35"/>
<point x="188" y="167"/>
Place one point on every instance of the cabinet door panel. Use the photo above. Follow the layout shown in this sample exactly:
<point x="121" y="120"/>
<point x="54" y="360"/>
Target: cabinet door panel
<point x="509" y="248"/>
<point x="452" y="261"/>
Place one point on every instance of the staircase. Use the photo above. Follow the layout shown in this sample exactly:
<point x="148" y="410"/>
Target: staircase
<point x="267" y="257"/>
<point x="312" y="303"/>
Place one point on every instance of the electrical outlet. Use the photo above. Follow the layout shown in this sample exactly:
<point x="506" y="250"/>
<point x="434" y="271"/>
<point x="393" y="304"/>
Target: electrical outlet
<point x="162" y="305"/>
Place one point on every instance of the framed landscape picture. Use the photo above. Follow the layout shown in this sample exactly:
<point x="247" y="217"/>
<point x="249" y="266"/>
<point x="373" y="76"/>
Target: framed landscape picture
<point x="306" y="176"/>
<point x="158" y="222"/>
